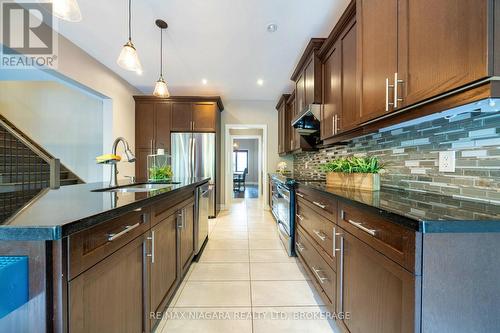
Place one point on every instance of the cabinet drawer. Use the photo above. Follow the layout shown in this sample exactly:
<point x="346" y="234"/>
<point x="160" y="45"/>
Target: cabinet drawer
<point x="321" y="203"/>
<point x="395" y="241"/>
<point x="90" y="246"/>
<point x="319" y="228"/>
<point x="167" y="207"/>
<point x="322" y="272"/>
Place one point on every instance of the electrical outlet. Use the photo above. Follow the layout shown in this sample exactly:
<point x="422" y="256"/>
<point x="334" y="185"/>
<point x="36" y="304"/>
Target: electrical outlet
<point x="447" y="161"/>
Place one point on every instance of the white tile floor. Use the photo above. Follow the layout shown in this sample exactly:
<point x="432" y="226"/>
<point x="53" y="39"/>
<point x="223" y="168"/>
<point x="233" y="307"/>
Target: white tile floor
<point x="245" y="282"/>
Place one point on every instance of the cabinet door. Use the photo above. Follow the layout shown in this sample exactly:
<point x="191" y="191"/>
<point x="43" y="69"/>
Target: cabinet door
<point x="377" y="24"/>
<point x="141" y="161"/>
<point x="300" y="98"/>
<point x="163" y="119"/>
<point x="378" y="293"/>
<point x="181" y="117"/>
<point x="204" y="117"/>
<point x="280" y="131"/>
<point x="332" y="93"/>
<point x="442" y="46"/>
<point x="163" y="260"/>
<point x="309" y="82"/>
<point x="144" y="125"/>
<point x="94" y="294"/>
<point x="350" y="111"/>
<point x="187" y="237"/>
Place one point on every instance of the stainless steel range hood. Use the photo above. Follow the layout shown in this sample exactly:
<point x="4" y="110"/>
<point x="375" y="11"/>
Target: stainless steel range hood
<point x="307" y="122"/>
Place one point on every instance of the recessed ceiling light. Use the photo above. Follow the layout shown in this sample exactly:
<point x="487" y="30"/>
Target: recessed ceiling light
<point x="272" y="27"/>
<point x="204" y="81"/>
<point x="260" y="82"/>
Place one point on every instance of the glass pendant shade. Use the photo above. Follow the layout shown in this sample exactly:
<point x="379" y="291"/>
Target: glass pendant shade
<point x="128" y="58"/>
<point x="161" y="89"/>
<point x="67" y="10"/>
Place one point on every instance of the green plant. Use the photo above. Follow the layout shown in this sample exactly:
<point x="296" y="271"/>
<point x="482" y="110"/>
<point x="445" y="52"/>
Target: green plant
<point x="160" y="173"/>
<point x="354" y="165"/>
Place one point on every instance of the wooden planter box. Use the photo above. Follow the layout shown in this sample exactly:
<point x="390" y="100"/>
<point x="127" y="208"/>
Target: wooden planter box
<point x="360" y="181"/>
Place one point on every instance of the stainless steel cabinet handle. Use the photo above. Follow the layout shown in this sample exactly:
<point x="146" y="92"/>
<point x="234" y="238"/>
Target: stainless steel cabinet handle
<point x="128" y="228"/>
<point x="152" y="239"/>
<point x="396" y="83"/>
<point x="316" y="272"/>
<point x="321" y="235"/>
<point x="299" y="216"/>
<point x="387" y="86"/>
<point x="341" y="284"/>
<point x="152" y="147"/>
<point x="335" y="234"/>
<point x="179" y="220"/>
<point x="299" y="246"/>
<point x="300" y="195"/>
<point x="360" y="226"/>
<point x="319" y="205"/>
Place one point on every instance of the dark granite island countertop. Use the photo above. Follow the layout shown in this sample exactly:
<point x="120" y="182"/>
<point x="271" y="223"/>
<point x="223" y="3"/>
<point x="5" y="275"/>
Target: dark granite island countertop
<point x="54" y="214"/>
<point x="421" y="211"/>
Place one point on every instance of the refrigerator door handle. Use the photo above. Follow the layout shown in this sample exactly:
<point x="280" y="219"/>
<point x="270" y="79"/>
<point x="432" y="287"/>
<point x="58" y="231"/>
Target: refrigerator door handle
<point x="194" y="158"/>
<point x="190" y="158"/>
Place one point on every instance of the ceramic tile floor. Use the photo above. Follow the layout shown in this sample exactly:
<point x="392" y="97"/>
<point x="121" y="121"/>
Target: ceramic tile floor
<point x="245" y="282"/>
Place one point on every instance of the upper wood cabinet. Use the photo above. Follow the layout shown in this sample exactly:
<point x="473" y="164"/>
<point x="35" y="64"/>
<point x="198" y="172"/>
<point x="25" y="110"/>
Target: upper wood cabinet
<point x="182" y="117"/>
<point x="307" y="76"/>
<point x="411" y="51"/>
<point x="194" y="117"/>
<point x="442" y="45"/>
<point x="152" y="125"/>
<point x="338" y="55"/>
<point x="284" y="125"/>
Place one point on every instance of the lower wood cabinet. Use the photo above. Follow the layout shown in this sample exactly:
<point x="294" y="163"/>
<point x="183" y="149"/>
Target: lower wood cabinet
<point x="379" y="295"/>
<point x="185" y="224"/>
<point x="163" y="261"/>
<point x="134" y="274"/>
<point x="109" y="296"/>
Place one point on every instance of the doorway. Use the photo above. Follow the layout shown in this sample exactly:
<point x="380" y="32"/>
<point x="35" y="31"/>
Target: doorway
<point x="245" y="147"/>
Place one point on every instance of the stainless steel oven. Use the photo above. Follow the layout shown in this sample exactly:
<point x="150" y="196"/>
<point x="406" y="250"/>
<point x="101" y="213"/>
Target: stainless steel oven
<point x="283" y="207"/>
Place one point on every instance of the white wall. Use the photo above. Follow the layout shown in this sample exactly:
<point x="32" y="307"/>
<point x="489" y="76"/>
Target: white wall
<point x="66" y="122"/>
<point x="245" y="112"/>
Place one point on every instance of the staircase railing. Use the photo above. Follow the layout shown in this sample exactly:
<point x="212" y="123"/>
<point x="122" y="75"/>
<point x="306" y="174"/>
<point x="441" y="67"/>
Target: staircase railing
<point x="54" y="163"/>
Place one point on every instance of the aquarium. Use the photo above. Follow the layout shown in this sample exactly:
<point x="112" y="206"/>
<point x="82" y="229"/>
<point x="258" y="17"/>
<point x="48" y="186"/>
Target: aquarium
<point x="159" y="167"/>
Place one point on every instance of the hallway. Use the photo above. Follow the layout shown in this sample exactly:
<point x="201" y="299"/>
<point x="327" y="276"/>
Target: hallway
<point x="245" y="282"/>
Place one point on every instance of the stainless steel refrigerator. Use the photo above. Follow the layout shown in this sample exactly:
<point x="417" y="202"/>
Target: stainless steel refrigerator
<point x="193" y="155"/>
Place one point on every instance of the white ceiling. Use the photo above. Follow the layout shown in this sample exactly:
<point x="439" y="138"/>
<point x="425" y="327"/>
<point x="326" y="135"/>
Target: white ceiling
<point x="224" y="41"/>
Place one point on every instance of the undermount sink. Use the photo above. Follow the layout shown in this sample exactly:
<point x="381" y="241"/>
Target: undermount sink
<point x="146" y="187"/>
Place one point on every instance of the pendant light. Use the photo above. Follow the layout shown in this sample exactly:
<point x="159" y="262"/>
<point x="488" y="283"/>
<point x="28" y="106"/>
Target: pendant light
<point x="128" y="58"/>
<point x="67" y="10"/>
<point x="161" y="89"/>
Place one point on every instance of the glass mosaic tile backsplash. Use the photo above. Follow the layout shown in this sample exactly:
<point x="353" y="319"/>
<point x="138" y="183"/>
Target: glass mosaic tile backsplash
<point x="411" y="152"/>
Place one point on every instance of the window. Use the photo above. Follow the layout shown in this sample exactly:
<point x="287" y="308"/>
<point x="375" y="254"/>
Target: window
<point x="240" y="160"/>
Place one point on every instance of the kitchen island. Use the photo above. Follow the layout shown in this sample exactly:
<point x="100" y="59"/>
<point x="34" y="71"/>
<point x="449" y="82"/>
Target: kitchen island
<point x="88" y="259"/>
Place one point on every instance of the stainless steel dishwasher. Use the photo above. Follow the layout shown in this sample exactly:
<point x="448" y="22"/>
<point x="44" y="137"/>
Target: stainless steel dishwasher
<point x="201" y="226"/>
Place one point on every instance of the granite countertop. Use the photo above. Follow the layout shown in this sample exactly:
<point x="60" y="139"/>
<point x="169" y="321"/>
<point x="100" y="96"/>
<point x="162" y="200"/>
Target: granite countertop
<point x="422" y="211"/>
<point x="54" y="214"/>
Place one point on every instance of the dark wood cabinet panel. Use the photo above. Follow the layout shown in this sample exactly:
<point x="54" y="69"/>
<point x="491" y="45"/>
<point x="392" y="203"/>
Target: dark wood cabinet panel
<point x="309" y="76"/>
<point x="300" y="94"/>
<point x="162" y="126"/>
<point x="332" y="93"/>
<point x="350" y="110"/>
<point x="144" y="125"/>
<point x="187" y="237"/>
<point x="181" y="117"/>
<point x="95" y="294"/>
<point x="141" y="167"/>
<point x="377" y="24"/>
<point x="164" y="261"/>
<point x="379" y="294"/>
<point x="284" y="125"/>
<point x="442" y="46"/>
<point x="204" y="117"/>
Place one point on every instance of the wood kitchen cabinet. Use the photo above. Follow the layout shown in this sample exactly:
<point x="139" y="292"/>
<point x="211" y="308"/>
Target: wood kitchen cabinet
<point x="194" y="117"/>
<point x="379" y="295"/>
<point x="152" y="120"/>
<point x="284" y="125"/>
<point x="119" y="279"/>
<point x="307" y="77"/>
<point x="411" y="51"/>
<point x="163" y="261"/>
<point x="185" y="223"/>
